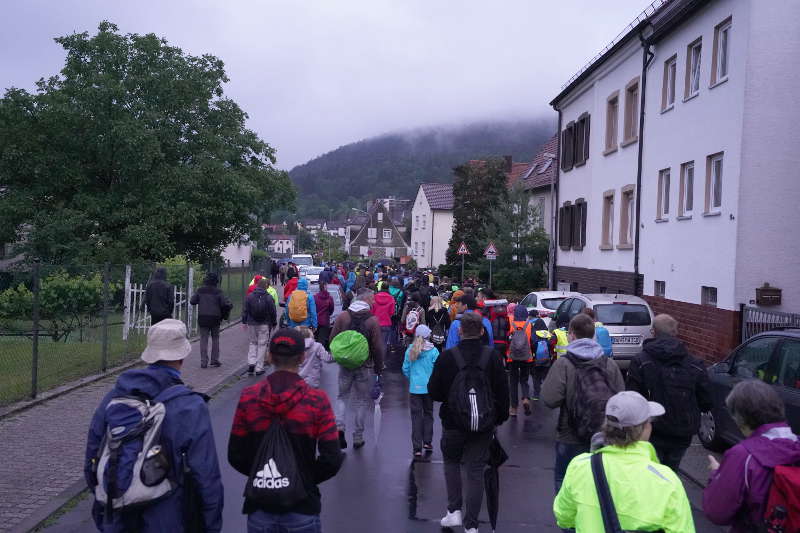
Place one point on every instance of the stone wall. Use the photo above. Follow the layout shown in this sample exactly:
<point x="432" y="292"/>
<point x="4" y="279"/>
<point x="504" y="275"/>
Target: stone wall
<point x="591" y="280"/>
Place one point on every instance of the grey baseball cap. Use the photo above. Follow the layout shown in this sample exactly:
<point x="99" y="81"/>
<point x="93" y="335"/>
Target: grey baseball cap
<point x="629" y="408"/>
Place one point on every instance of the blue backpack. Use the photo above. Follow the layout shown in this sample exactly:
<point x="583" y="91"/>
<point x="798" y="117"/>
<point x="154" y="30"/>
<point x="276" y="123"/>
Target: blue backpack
<point x="603" y="338"/>
<point x="542" y="352"/>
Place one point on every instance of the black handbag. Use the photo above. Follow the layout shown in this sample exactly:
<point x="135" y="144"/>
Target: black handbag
<point x="607" y="509"/>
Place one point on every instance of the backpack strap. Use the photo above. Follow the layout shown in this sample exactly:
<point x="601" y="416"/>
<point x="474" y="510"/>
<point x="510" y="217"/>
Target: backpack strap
<point x="176" y="391"/>
<point x="459" y="357"/>
<point x="483" y="361"/>
<point x="607" y="509"/>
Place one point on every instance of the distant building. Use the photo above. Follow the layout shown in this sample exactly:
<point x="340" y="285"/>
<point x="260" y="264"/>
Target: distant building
<point x="378" y="236"/>
<point x="282" y="244"/>
<point x="432" y="224"/>
<point x="237" y="252"/>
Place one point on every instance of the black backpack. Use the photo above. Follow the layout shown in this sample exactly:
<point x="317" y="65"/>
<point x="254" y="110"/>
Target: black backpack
<point x="673" y="386"/>
<point x="501" y="328"/>
<point x="258" y="310"/>
<point x="591" y="393"/>
<point x="470" y="399"/>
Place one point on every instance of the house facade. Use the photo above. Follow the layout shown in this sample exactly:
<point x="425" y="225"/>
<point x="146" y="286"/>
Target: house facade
<point x="282" y="244"/>
<point x="693" y="131"/>
<point x="378" y="237"/>
<point x="431" y="224"/>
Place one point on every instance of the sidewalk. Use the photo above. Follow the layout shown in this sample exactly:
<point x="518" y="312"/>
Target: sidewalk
<point x="42" y="447"/>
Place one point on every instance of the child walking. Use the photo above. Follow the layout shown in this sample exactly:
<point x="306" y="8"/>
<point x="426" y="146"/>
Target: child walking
<point x="417" y="367"/>
<point x="316" y="354"/>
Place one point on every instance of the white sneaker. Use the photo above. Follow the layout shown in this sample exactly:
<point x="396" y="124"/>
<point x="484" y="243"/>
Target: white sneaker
<point x="471" y="530"/>
<point x="451" y="519"/>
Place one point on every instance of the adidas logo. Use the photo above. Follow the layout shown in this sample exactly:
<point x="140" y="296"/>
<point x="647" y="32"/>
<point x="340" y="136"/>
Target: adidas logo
<point x="270" y="478"/>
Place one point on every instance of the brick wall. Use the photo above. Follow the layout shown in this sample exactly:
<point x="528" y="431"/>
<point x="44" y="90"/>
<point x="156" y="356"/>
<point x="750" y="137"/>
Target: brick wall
<point x="591" y="280"/>
<point x="709" y="333"/>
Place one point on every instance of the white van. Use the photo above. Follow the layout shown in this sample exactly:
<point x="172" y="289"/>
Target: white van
<point x="303" y="260"/>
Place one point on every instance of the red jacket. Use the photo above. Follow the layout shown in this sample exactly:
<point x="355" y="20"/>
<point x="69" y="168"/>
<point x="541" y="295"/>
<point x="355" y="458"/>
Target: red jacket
<point x="254" y="283"/>
<point x="383" y="308"/>
<point x="291" y="285"/>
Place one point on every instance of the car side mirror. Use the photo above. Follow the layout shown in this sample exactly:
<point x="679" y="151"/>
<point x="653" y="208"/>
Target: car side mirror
<point x="722" y="368"/>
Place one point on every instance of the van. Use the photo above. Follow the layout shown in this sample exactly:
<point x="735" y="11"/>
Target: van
<point x="303" y="260"/>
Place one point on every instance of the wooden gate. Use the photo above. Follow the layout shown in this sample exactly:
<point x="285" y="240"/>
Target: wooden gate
<point x="136" y="316"/>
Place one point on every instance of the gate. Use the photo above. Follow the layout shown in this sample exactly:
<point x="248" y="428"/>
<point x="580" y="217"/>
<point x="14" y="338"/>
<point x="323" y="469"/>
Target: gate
<point x="137" y="319"/>
<point x="756" y="320"/>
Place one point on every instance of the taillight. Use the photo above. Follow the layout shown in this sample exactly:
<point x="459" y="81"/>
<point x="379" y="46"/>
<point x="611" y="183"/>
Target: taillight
<point x="545" y="314"/>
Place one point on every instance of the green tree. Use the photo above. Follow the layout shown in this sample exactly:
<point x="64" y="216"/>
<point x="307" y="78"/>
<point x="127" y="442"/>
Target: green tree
<point x="132" y="151"/>
<point x="479" y="189"/>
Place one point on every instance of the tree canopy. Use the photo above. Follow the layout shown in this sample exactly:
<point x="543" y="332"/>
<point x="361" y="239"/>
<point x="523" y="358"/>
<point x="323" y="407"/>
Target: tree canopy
<point x="132" y="151"/>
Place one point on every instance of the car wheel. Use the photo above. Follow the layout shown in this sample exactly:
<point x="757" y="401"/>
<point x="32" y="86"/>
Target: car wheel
<point x="708" y="433"/>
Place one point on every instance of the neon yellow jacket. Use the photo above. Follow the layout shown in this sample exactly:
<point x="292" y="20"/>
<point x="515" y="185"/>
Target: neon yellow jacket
<point x="562" y="341"/>
<point x="647" y="495"/>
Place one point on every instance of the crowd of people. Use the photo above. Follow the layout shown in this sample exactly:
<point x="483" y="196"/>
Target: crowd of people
<point x="152" y="464"/>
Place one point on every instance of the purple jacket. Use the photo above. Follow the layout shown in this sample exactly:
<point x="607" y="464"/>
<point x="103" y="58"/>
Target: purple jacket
<point x="737" y="492"/>
<point x="324" y="302"/>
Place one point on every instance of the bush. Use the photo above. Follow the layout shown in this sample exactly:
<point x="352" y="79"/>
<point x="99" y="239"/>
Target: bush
<point x="177" y="271"/>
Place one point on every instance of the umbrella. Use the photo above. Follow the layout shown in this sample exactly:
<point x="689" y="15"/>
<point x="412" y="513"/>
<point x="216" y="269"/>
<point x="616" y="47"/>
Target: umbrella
<point x="491" y="479"/>
<point x="377" y="415"/>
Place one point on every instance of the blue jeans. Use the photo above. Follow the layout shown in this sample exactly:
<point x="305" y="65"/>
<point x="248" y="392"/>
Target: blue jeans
<point x="263" y="522"/>
<point x="565" y="452"/>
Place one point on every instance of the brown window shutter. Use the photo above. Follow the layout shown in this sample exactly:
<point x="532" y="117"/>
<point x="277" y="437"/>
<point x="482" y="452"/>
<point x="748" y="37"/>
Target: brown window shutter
<point x="584" y="212"/>
<point x="586" y="138"/>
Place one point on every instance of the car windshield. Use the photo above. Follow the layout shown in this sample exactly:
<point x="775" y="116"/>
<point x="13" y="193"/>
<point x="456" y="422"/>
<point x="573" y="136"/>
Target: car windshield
<point x="552" y="303"/>
<point x="314" y="270"/>
<point x="300" y="260"/>
<point x="621" y="314"/>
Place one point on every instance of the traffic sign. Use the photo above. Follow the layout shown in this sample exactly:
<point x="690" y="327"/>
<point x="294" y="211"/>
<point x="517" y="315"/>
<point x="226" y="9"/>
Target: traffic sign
<point x="490" y="252"/>
<point x="462" y="250"/>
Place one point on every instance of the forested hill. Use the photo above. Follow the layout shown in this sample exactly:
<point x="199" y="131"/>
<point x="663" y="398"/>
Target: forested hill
<point x="396" y="163"/>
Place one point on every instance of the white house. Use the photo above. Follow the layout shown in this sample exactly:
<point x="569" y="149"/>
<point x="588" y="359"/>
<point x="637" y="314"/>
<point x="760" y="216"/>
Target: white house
<point x="539" y="181"/>
<point x="716" y="190"/>
<point x="432" y="224"/>
<point x="237" y="252"/>
<point x="282" y="244"/>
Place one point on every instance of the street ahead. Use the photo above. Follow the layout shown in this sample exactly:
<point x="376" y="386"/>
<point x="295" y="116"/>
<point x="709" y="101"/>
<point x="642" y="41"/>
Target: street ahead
<point x="380" y="489"/>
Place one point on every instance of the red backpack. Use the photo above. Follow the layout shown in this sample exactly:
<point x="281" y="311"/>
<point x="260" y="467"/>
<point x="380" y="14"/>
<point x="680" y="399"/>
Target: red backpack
<point x="783" y="506"/>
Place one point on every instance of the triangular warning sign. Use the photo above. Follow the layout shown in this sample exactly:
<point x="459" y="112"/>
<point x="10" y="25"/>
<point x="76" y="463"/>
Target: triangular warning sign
<point x="490" y="250"/>
<point x="462" y="250"/>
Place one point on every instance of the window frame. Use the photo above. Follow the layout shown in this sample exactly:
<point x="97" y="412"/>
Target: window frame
<point x="712" y="178"/>
<point x="578" y="228"/>
<point x="627" y="214"/>
<point x="379" y="216"/>
<point x="581" y="146"/>
<point x="686" y="191"/>
<point x="663" y="196"/>
<point x="688" y="93"/>
<point x="717" y="77"/>
<point x="607" y="231"/>
<point x="424" y="221"/>
<point x="372" y="233"/>
<point x="612" y="123"/>
<point x="565" y="226"/>
<point x="384" y="236"/>
<point x="668" y="84"/>
<point x="659" y="288"/>
<point x="633" y="97"/>
<point x="705" y="293"/>
<point x="568" y="147"/>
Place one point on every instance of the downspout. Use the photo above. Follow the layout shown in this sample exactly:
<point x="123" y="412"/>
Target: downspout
<point x="554" y="210"/>
<point x="433" y="223"/>
<point x="647" y="58"/>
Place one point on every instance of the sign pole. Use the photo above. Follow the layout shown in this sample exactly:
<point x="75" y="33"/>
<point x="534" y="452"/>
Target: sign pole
<point x="490" y="274"/>
<point x="462" y="269"/>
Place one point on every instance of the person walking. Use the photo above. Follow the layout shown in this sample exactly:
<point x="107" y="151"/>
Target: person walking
<point x="417" y="367"/>
<point x="521" y="350"/>
<point x="579" y="383"/>
<point x="501" y="326"/>
<point x="355" y="385"/>
<point x="260" y="316"/>
<point x="644" y="494"/>
<point x="665" y="373"/>
<point x="301" y="309"/>
<point x="184" y="446"/>
<point x="467" y="305"/>
<point x="274" y="270"/>
<point x="738" y="488"/>
<point x="467" y="434"/>
<point x="315" y="355"/>
<point x="306" y="416"/>
<point x="282" y="273"/>
<point x="541" y="360"/>
<point x="383" y="309"/>
<point x="159" y="297"/>
<point x="438" y="319"/>
<point x="212" y="308"/>
<point x="323" y="302"/>
<point x="292" y="271"/>
<point x="413" y="316"/>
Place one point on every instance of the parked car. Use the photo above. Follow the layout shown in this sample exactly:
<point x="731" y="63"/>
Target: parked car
<point x="772" y="356"/>
<point x="312" y="273"/>
<point x="546" y="302"/>
<point x="628" y="319"/>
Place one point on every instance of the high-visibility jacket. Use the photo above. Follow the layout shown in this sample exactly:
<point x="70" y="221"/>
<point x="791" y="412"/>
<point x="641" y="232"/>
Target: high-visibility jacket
<point x="648" y="496"/>
<point x="562" y="341"/>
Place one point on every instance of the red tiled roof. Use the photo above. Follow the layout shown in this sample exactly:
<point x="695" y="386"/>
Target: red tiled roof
<point x="439" y="195"/>
<point x="273" y="237"/>
<point x="542" y="170"/>
<point x="517" y="171"/>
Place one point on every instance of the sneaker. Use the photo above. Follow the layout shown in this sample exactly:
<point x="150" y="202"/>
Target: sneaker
<point x="216" y="363"/>
<point x="251" y="370"/>
<point x="451" y="519"/>
<point x="357" y="444"/>
<point x="471" y="530"/>
<point x="260" y="372"/>
<point x="428" y="448"/>
<point x="526" y="404"/>
<point x="417" y="454"/>
<point x="512" y="411"/>
<point x="342" y="440"/>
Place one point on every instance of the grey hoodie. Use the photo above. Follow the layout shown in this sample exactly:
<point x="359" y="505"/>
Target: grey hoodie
<point x="311" y="369"/>
<point x="559" y="385"/>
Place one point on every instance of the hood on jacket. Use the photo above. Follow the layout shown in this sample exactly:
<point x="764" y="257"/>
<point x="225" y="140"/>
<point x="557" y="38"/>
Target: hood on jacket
<point x="302" y="285"/>
<point x="586" y="349"/>
<point x="282" y="391"/>
<point x="520" y="313"/>
<point x="150" y="381"/>
<point x="665" y="348"/>
<point x="160" y="273"/>
<point x="773" y="445"/>
<point x="384" y="299"/>
<point x="357" y="306"/>
<point x="309" y="341"/>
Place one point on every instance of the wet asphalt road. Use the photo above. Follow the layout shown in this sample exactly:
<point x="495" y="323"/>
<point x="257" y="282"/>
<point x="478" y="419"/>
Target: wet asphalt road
<point x="380" y="489"/>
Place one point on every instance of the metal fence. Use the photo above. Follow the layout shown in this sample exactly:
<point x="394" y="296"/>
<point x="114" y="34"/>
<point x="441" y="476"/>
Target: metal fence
<point x="756" y="320"/>
<point x="60" y="323"/>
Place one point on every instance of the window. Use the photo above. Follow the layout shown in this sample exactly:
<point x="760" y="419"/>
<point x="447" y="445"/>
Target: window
<point x="627" y="218"/>
<point x="529" y="301"/>
<point x="422" y="248"/>
<point x="363" y="251"/>
<point x="608" y="220"/>
<point x="424" y="220"/>
<point x="659" y="288"/>
<point x="789" y="361"/>
<point x="713" y="183"/>
<point x="708" y="296"/>
<point x="579" y="224"/>
<point x="668" y="88"/>
<point x="612" y="118"/>
<point x="622" y="314"/>
<point x="372" y="233"/>
<point x="631" y="112"/>
<point x="686" y="198"/>
<point x="387" y="234"/>
<point x="582" y="139"/>
<point x="719" y="59"/>
<point x="752" y="360"/>
<point x="568" y="147"/>
<point x="565" y="223"/>
<point x="662" y="209"/>
<point x="416" y="222"/>
<point x="380" y="216"/>
<point x="416" y="248"/>
<point x="693" y="55"/>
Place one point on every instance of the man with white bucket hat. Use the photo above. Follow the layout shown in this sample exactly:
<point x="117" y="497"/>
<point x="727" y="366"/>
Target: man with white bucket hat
<point x="151" y="461"/>
<point x="623" y="479"/>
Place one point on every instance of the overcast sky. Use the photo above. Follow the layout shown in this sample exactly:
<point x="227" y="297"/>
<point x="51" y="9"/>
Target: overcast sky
<point x="316" y="74"/>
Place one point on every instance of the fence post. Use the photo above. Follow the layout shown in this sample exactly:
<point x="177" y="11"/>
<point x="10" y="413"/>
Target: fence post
<point x="35" y="348"/>
<point x="189" y="308"/>
<point x="104" y="357"/>
<point x="126" y="326"/>
<point x="244" y="293"/>
<point x="743" y="322"/>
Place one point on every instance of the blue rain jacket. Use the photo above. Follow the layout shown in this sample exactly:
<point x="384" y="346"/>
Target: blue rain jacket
<point x="311" y="318"/>
<point x="453" y="337"/>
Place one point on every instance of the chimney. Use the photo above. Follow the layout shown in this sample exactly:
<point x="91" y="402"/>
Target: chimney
<point x="509" y="163"/>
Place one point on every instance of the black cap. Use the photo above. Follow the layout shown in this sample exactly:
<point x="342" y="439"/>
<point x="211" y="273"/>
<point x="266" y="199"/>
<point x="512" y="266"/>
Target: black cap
<point x="287" y="342"/>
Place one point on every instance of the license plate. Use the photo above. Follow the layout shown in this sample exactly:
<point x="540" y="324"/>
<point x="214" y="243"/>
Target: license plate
<point x="626" y="339"/>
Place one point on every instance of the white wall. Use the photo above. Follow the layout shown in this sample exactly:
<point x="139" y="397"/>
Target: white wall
<point x="768" y="213"/>
<point x="442" y="231"/>
<point x="690" y="253"/>
<point x="544" y="195"/>
<point x="422" y="255"/>
<point x="235" y="253"/>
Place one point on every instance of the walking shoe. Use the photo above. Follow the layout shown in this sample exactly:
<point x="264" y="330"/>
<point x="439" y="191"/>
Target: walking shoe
<point x="417" y="454"/>
<point x="216" y="363"/>
<point x="357" y="444"/>
<point x="260" y="372"/>
<point x="428" y="448"/>
<point x="342" y="440"/>
<point x="251" y="370"/>
<point x="526" y="404"/>
<point x="203" y="365"/>
<point x="512" y="411"/>
<point x="451" y="519"/>
<point x="471" y="530"/>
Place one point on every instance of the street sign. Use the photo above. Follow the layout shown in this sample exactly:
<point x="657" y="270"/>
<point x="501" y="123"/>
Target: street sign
<point x="490" y="252"/>
<point x="462" y="250"/>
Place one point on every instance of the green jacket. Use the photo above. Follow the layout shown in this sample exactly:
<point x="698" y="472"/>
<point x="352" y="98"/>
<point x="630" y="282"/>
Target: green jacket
<point x="648" y="496"/>
<point x="272" y="292"/>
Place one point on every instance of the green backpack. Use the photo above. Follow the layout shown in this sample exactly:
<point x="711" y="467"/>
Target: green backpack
<point x="350" y="348"/>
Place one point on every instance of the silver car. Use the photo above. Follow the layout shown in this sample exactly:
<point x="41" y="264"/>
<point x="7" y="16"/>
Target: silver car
<point x="546" y="302"/>
<point x="629" y="320"/>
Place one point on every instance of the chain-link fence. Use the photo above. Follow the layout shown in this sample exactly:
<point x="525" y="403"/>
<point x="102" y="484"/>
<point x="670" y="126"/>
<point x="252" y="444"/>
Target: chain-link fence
<point x="59" y="323"/>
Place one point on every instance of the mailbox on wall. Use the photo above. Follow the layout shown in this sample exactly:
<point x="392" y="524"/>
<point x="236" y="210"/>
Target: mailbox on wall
<point x="767" y="295"/>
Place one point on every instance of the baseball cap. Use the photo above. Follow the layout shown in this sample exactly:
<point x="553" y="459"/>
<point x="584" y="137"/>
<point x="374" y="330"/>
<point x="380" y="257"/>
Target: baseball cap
<point x="422" y="331"/>
<point x="629" y="408"/>
<point x="287" y="342"/>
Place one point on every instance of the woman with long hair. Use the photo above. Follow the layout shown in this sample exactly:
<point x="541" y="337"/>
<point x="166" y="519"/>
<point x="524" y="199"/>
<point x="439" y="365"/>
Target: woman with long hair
<point x="417" y="367"/>
<point x="438" y="319"/>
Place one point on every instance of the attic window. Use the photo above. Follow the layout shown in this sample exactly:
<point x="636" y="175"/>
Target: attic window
<point x="543" y="168"/>
<point x="380" y="216"/>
